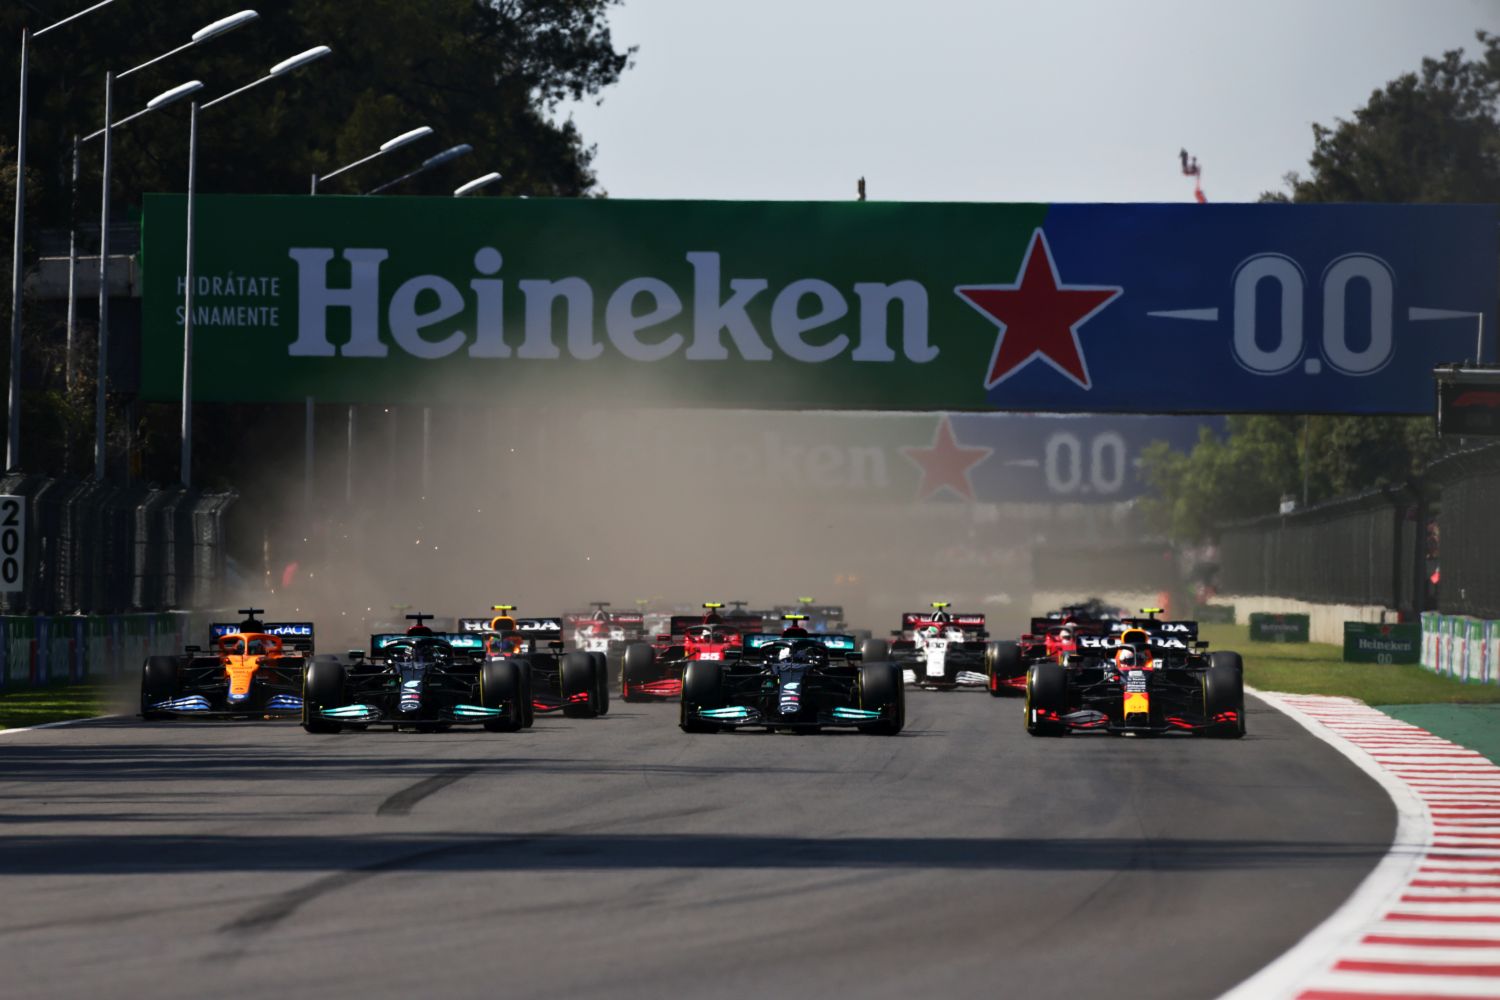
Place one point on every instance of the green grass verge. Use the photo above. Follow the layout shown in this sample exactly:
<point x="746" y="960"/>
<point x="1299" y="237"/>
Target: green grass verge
<point x="1317" y="668"/>
<point x="34" y="706"/>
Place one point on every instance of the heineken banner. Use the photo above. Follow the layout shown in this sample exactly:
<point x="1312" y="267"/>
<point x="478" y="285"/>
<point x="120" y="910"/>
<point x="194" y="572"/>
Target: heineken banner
<point x="1267" y="627"/>
<point x="1368" y="643"/>
<point x="1030" y="307"/>
<point x="883" y="457"/>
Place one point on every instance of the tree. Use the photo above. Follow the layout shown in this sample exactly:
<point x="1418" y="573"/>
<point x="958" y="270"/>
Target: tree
<point x="1432" y="136"/>
<point x="491" y="73"/>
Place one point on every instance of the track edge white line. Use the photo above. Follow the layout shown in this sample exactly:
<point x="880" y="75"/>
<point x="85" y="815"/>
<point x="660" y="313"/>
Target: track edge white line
<point x="1288" y="974"/>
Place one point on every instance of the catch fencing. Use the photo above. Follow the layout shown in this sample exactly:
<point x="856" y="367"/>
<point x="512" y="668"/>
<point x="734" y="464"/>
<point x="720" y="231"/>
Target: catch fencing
<point x="44" y="649"/>
<point x="103" y="548"/>
<point x="1355" y="550"/>
<point x="1431" y="545"/>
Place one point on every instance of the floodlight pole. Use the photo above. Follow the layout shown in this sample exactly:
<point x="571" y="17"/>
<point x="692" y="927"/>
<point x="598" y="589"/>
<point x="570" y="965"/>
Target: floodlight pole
<point x="102" y="363"/>
<point x="13" y="430"/>
<point x="186" y="460"/>
<point x="70" y="365"/>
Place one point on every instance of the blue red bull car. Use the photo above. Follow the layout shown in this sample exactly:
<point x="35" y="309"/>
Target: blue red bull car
<point x="1145" y="677"/>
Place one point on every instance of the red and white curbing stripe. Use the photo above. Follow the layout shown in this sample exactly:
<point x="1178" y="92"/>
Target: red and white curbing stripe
<point x="1425" y="924"/>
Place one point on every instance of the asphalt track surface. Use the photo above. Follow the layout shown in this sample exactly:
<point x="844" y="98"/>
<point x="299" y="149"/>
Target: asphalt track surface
<point x="620" y="857"/>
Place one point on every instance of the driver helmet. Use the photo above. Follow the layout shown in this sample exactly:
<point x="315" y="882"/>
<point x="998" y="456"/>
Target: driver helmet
<point x="1065" y="635"/>
<point x="932" y="631"/>
<point x="1128" y="658"/>
<point x="401" y="656"/>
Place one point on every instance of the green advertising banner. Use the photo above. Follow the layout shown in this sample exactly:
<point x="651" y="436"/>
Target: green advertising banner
<point x="1369" y="643"/>
<point x="1265" y="627"/>
<point x="1057" y="308"/>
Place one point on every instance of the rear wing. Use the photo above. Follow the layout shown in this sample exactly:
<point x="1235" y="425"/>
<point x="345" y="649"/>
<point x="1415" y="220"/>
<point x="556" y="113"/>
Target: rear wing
<point x="1041" y="626"/>
<point x="1187" y="630"/>
<point x="293" y="635"/>
<point x="460" y="642"/>
<point x="844" y="644"/>
<point x="623" y="620"/>
<point x="679" y="624"/>
<point x="913" y="620"/>
<point x="474" y="624"/>
<point x="1103" y="644"/>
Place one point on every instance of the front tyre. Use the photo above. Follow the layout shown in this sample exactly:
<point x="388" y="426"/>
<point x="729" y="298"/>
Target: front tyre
<point x="500" y="688"/>
<point x="1046" y="699"/>
<point x="881" y="690"/>
<point x="702" y="687"/>
<point x="579" y="686"/>
<point x="601" y="679"/>
<point x="1002" y="661"/>
<point x="636" y="670"/>
<point x="1224" y="700"/>
<point x="158" y="684"/>
<point x="322" y="688"/>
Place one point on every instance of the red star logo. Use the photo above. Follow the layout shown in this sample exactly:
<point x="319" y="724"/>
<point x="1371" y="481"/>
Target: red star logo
<point x="1038" y="316"/>
<point x="945" y="463"/>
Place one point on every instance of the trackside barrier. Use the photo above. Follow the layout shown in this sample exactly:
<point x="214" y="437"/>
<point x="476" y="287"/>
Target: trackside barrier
<point x="38" y="650"/>
<point x="1461" y="647"/>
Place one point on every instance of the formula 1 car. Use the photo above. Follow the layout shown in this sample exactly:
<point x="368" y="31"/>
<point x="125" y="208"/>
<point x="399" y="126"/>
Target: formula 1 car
<point x="419" y="679"/>
<point x="575" y="684"/>
<point x="603" y="631"/>
<point x="654" y="671"/>
<point x="1049" y="638"/>
<point x="936" y="649"/>
<point x="819" y="617"/>
<point x="797" y="683"/>
<point x="253" y="669"/>
<point x="1149" y="677"/>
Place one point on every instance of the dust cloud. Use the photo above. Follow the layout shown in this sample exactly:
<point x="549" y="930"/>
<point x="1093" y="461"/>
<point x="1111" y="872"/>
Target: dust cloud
<point x="549" y="510"/>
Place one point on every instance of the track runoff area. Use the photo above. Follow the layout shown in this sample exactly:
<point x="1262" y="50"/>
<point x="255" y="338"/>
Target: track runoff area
<point x="619" y="856"/>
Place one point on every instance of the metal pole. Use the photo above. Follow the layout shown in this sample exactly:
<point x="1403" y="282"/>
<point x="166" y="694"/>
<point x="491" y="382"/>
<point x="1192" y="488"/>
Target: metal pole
<point x="70" y="369"/>
<point x="1306" y="456"/>
<point x="426" y="449"/>
<point x="307" y="467"/>
<point x="314" y="184"/>
<point x="102" y="365"/>
<point x="349" y="462"/>
<point x="1479" y="342"/>
<point x="190" y="279"/>
<point x="13" y="431"/>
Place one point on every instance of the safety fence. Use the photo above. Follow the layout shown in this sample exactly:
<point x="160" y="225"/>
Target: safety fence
<point x="1461" y="647"/>
<point x="1468" y="532"/>
<point x="1349" y="551"/>
<point x="44" y="649"/>
<point x="104" y="548"/>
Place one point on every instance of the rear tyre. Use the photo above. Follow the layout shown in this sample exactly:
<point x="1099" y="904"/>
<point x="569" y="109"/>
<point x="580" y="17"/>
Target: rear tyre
<point x="880" y="688"/>
<point x="637" y="669"/>
<point x="1224" y="698"/>
<point x="1046" y="699"/>
<point x="158" y="684"/>
<point x="702" y="687"/>
<point x="601" y="678"/>
<point x="576" y="678"/>
<point x="528" y="707"/>
<point x="500" y="687"/>
<point x="1002" y="660"/>
<point x="322" y="687"/>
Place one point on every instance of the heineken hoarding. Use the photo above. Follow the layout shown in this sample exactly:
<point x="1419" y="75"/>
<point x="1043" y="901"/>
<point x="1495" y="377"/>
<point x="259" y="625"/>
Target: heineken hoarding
<point x="1266" y="627"/>
<point x="946" y="306"/>
<point x="1367" y="643"/>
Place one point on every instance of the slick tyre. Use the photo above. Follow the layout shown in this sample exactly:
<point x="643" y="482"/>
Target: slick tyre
<point x="875" y="651"/>
<point x="1046" y="699"/>
<point x="528" y="707"/>
<point x="577" y="681"/>
<point x="881" y="690"/>
<point x="1002" y="661"/>
<point x="1224" y="701"/>
<point x="702" y="687"/>
<point x="601" y="679"/>
<point x="1227" y="659"/>
<point x="637" y="669"/>
<point x="322" y="687"/>
<point x="500" y="688"/>
<point x="158" y="684"/>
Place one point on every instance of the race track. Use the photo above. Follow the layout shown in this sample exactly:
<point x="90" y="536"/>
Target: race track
<point x="620" y="857"/>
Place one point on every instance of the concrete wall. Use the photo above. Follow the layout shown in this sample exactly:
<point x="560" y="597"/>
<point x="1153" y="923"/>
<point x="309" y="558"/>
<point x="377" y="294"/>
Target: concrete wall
<point x="1326" y="621"/>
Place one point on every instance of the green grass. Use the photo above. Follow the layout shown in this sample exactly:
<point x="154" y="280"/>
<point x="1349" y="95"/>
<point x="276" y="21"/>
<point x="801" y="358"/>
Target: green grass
<point x="1317" y="668"/>
<point x="34" y="706"/>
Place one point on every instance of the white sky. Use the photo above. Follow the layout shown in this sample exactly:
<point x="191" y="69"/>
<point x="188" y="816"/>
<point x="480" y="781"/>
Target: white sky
<point x="1007" y="100"/>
